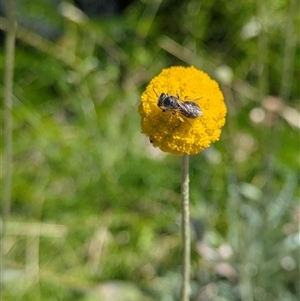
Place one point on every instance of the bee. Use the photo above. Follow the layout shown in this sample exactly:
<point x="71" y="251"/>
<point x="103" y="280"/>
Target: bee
<point x="188" y="109"/>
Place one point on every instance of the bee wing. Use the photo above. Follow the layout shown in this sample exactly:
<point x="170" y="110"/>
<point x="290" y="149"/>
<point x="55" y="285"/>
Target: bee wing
<point x="182" y="105"/>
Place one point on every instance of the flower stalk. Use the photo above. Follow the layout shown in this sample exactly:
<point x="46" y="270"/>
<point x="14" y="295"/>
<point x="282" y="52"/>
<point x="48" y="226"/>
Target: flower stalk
<point x="186" y="235"/>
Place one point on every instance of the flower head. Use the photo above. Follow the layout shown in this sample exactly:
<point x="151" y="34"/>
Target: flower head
<point x="174" y="125"/>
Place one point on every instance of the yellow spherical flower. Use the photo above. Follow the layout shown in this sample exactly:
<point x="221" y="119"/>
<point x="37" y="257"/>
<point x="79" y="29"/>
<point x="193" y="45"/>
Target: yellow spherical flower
<point x="168" y="128"/>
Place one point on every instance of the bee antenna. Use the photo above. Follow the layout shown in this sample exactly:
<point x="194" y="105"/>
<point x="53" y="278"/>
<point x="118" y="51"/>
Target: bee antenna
<point x="155" y="92"/>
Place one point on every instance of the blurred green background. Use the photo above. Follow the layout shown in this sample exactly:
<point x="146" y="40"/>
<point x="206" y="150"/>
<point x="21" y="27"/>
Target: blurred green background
<point x="95" y="211"/>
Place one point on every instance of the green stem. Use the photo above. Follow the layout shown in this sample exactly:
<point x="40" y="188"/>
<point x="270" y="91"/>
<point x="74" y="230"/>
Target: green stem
<point x="8" y="103"/>
<point x="7" y="133"/>
<point x="186" y="235"/>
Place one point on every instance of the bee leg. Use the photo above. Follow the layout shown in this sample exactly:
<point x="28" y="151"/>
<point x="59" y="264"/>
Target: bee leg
<point x="189" y="124"/>
<point x="181" y="118"/>
<point x="185" y="119"/>
<point x="195" y="98"/>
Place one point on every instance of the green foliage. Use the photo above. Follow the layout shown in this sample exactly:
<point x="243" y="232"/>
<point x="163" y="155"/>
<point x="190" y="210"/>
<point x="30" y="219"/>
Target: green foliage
<point x="94" y="206"/>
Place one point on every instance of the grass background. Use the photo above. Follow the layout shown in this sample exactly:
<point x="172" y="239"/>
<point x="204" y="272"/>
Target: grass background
<point x="95" y="211"/>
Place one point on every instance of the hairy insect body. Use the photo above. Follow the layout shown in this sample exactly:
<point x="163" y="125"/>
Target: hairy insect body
<point x="188" y="109"/>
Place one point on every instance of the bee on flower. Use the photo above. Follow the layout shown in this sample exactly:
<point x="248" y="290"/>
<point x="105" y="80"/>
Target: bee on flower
<point x="188" y="109"/>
